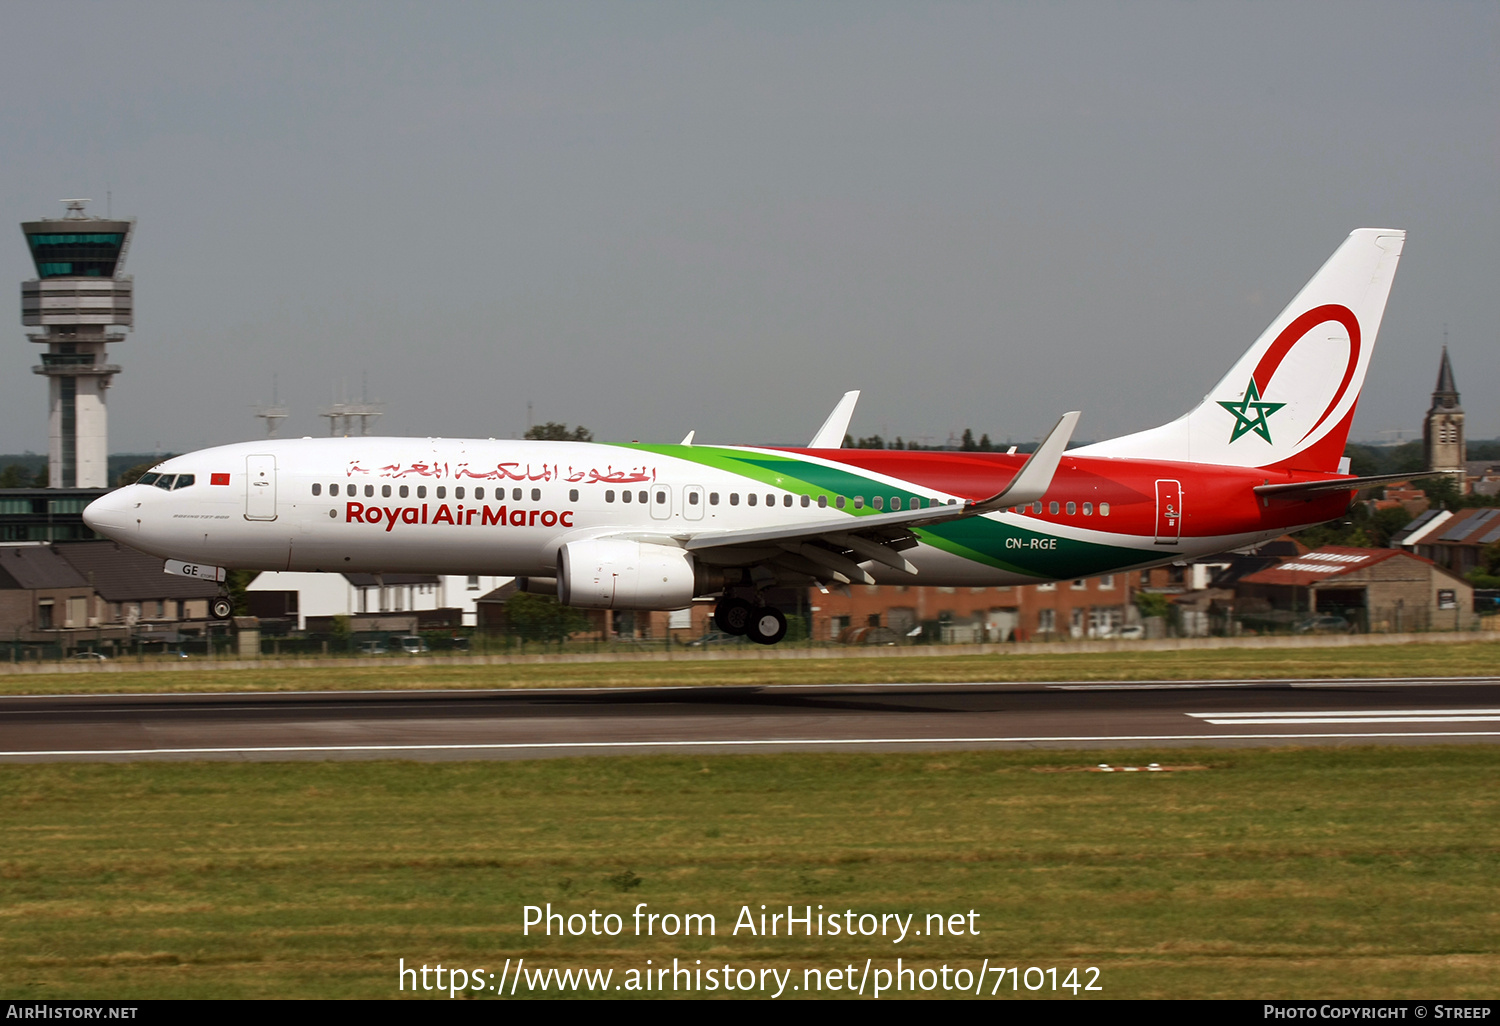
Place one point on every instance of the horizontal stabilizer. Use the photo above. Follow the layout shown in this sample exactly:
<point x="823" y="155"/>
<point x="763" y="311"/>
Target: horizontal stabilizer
<point x="1343" y="484"/>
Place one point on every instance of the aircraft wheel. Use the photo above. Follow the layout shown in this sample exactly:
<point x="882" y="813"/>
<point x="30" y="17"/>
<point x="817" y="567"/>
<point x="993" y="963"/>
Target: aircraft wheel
<point x="732" y="616"/>
<point x="221" y="608"/>
<point x="767" y="626"/>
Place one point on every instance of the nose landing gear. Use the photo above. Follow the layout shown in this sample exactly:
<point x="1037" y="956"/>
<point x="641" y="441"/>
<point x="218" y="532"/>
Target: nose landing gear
<point x="764" y="625"/>
<point x="221" y="607"/>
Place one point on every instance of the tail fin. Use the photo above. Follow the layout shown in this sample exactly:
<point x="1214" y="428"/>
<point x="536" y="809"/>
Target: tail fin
<point x="1289" y="401"/>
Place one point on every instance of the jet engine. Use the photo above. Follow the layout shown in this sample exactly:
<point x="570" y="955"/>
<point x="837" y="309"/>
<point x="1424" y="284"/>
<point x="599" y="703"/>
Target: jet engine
<point x="615" y="573"/>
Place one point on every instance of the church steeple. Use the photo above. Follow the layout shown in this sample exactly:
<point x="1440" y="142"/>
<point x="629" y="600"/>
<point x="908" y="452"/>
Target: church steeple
<point x="1446" y="393"/>
<point x="1443" y="430"/>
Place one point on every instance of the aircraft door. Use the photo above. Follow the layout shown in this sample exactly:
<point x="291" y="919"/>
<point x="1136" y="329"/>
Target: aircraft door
<point x="661" y="502"/>
<point x="692" y="502"/>
<point x="260" y="487"/>
<point x="1168" y="512"/>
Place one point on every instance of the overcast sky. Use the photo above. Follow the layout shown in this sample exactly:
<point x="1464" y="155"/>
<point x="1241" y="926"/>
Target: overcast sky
<point x="648" y="218"/>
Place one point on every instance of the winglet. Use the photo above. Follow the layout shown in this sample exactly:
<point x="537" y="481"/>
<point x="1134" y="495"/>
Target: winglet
<point x="1035" y="475"/>
<point x="689" y="439"/>
<point x="831" y="434"/>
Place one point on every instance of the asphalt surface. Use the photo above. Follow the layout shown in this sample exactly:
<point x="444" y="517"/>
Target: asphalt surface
<point x="431" y="725"/>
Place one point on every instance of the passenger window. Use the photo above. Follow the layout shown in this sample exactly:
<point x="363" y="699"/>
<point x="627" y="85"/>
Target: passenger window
<point x="640" y="498"/>
<point x="442" y="492"/>
<point x="1036" y="507"/>
<point x="822" y="502"/>
<point x="878" y="502"/>
<point x="713" y="498"/>
<point x="839" y="502"/>
<point x="786" y="500"/>
<point x="479" y="493"/>
<point x="770" y="499"/>
<point x="515" y="495"/>
<point x="734" y="498"/>
<point x="1052" y="507"/>
<point x="148" y="479"/>
<point x="1072" y="508"/>
<point x="165" y="482"/>
<point x="859" y="502"/>
<point x="421" y="491"/>
<point x="750" y="499"/>
<point x="458" y="493"/>
<point x="1104" y="509"/>
<point x="806" y="501"/>
<point x="333" y="489"/>
<point x="385" y="491"/>
<point x="369" y="491"/>
<point x="895" y="502"/>
<point x="317" y="489"/>
<point x="661" y="497"/>
<point x="572" y="494"/>
<point x="609" y="496"/>
<point x="625" y="496"/>
<point x="183" y="481"/>
<point x="536" y="495"/>
<point x="1088" y="509"/>
<point x="692" y="498"/>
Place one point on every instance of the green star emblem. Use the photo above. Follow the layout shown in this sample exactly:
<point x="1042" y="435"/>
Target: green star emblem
<point x="1243" y="419"/>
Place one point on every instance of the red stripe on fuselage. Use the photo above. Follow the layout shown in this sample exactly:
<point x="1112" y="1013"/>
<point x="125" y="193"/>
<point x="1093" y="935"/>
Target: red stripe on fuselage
<point x="1217" y="501"/>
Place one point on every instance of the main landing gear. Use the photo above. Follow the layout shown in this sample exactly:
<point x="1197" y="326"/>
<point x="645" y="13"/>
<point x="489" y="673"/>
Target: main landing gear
<point x="764" y="625"/>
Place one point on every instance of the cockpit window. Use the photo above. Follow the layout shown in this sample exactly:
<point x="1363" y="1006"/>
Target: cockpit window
<point x="148" y="479"/>
<point x="165" y="481"/>
<point x="183" y="481"/>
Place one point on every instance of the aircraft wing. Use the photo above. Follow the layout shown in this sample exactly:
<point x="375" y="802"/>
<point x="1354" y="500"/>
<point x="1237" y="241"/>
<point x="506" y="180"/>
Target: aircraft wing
<point x="831" y="434"/>
<point x="832" y="549"/>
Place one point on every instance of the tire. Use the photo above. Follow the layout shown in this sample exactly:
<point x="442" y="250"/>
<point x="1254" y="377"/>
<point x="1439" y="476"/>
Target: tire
<point x="221" y="608"/>
<point x="733" y="615"/>
<point x="767" y="626"/>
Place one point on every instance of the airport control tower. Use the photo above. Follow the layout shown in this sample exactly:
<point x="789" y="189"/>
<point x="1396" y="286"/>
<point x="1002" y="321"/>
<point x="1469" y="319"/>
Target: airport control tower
<point x="78" y="296"/>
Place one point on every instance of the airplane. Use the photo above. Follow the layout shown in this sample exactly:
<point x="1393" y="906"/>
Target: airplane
<point x="653" y="527"/>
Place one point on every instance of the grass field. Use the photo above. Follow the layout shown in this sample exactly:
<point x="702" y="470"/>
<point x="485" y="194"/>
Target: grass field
<point x="1368" y="872"/>
<point x="1356" y="661"/>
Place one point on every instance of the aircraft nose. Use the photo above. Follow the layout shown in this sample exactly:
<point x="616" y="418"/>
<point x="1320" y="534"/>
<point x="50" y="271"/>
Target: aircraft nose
<point x="110" y="516"/>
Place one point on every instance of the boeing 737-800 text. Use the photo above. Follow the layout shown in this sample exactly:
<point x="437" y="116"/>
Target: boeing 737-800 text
<point x="655" y="526"/>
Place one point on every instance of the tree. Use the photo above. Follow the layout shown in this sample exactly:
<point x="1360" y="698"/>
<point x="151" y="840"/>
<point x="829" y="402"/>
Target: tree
<point x="555" y="432"/>
<point x="985" y="445"/>
<point x="542" y="618"/>
<point x="42" y="480"/>
<point x="15" y="476"/>
<point x="1487" y="573"/>
<point x="873" y="442"/>
<point x="968" y="444"/>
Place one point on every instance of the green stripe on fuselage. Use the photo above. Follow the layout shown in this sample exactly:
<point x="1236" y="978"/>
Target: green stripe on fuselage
<point x="1005" y="546"/>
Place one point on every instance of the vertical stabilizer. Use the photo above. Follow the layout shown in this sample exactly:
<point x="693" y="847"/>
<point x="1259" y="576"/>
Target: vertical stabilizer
<point x="1289" y="401"/>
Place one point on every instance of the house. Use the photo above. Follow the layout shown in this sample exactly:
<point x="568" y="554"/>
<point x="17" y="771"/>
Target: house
<point x="1455" y="540"/>
<point x="1372" y="589"/>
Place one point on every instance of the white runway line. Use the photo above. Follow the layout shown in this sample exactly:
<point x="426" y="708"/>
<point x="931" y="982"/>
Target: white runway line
<point x="711" y="743"/>
<point x="1302" y="717"/>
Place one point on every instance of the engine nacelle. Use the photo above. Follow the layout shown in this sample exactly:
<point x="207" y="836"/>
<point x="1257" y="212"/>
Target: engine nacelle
<point x="615" y="573"/>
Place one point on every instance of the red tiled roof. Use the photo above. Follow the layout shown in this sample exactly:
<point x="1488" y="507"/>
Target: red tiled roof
<point x="1323" y="564"/>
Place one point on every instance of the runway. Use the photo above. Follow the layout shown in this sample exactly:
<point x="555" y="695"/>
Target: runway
<point x="529" y="724"/>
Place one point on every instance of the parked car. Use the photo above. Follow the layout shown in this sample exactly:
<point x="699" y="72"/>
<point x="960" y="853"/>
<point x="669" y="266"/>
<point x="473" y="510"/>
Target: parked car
<point x="91" y="657"/>
<point x="1323" y="625"/>
<point x="413" y="644"/>
<point x="372" y="648"/>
